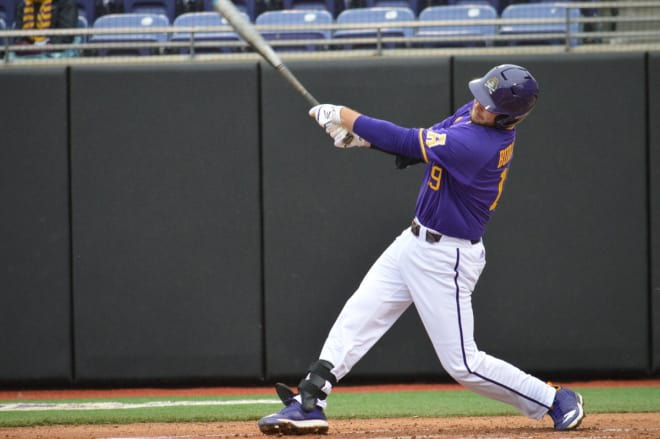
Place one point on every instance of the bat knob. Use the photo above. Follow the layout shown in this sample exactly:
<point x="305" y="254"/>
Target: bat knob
<point x="348" y="138"/>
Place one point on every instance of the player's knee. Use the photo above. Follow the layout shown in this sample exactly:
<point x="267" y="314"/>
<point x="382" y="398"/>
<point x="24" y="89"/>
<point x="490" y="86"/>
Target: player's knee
<point x="457" y="369"/>
<point x="460" y="374"/>
<point x="317" y="384"/>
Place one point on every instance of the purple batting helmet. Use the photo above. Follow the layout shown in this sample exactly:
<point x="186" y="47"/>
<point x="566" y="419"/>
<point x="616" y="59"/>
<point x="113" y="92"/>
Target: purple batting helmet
<point x="508" y="90"/>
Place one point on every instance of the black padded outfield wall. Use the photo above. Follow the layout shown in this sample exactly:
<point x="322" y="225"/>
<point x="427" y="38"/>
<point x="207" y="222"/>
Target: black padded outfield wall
<point x="565" y="287"/>
<point x="329" y="213"/>
<point x="654" y="198"/>
<point x="192" y="224"/>
<point x="34" y="223"/>
<point x="166" y="219"/>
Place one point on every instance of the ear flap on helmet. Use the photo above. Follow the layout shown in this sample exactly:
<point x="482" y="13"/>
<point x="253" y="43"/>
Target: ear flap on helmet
<point x="504" y="121"/>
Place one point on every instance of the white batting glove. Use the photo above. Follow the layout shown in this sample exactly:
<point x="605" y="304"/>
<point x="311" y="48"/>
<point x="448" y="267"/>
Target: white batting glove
<point x="328" y="116"/>
<point x="335" y="131"/>
<point x="325" y="114"/>
<point x="344" y="139"/>
<point x="356" y="141"/>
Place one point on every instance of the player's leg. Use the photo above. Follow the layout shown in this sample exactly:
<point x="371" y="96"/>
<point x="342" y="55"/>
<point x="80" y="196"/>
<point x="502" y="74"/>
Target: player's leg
<point x="441" y="278"/>
<point x="378" y="302"/>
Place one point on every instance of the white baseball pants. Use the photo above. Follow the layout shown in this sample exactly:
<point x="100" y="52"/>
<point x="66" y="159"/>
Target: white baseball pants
<point x="439" y="279"/>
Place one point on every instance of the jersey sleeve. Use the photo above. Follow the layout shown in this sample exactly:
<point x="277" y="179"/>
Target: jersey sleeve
<point x="389" y="137"/>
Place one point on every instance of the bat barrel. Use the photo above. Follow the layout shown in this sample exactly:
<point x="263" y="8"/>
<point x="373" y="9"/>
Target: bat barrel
<point x="249" y="33"/>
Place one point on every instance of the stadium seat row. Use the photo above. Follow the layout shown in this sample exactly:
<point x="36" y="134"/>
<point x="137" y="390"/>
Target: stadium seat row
<point x="89" y="9"/>
<point x="377" y="22"/>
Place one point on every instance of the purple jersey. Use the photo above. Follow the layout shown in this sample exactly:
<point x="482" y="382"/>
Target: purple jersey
<point x="467" y="165"/>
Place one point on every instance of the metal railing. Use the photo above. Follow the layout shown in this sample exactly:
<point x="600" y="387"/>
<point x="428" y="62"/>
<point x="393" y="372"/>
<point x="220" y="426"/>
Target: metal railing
<point x="596" y="31"/>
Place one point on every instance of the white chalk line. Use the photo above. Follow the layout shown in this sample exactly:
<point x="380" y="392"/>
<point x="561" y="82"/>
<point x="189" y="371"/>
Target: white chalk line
<point x="57" y="406"/>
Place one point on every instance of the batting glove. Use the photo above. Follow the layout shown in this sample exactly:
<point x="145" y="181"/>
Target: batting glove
<point x="326" y="113"/>
<point x="342" y="138"/>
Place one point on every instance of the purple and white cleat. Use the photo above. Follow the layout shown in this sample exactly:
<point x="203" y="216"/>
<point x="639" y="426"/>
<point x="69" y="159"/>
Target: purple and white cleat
<point x="292" y="419"/>
<point x="567" y="409"/>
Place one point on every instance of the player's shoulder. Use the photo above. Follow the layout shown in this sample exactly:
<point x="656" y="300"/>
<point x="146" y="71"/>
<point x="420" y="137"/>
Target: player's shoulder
<point x="463" y="113"/>
<point x="479" y="139"/>
<point x="465" y="108"/>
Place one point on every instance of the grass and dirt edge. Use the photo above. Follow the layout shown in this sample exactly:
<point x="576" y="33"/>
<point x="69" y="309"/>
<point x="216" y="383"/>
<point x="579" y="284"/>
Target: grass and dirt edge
<point x="349" y="405"/>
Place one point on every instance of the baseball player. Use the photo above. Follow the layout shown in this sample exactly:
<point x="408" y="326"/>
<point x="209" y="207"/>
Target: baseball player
<point x="436" y="261"/>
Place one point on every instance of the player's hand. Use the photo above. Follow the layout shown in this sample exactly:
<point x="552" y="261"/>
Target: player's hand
<point x="344" y="139"/>
<point x="325" y="114"/>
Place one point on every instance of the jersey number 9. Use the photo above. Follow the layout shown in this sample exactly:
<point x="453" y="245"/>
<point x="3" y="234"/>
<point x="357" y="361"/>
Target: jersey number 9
<point x="436" y="175"/>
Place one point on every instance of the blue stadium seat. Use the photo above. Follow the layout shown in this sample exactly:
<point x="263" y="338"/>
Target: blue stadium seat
<point x="165" y="7"/>
<point x="8" y="12"/>
<point x="459" y="32"/>
<point x="137" y="21"/>
<point x="204" y="19"/>
<point x="249" y="7"/>
<point x="585" y="12"/>
<point x="327" y="5"/>
<point x="554" y="11"/>
<point x="3" y="26"/>
<point x="414" y="5"/>
<point x="82" y="24"/>
<point x="286" y="18"/>
<point x="87" y="8"/>
<point x="494" y="3"/>
<point x="372" y="16"/>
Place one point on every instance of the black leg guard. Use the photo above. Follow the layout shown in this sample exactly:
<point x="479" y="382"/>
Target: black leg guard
<point x="311" y="387"/>
<point x="284" y="392"/>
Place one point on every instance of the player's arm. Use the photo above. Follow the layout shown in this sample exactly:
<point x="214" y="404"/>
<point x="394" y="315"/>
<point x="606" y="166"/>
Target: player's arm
<point x="389" y="137"/>
<point x="349" y="117"/>
<point x="370" y="131"/>
<point x="408" y="145"/>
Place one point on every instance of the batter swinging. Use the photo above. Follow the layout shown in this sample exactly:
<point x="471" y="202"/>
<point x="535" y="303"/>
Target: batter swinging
<point x="436" y="261"/>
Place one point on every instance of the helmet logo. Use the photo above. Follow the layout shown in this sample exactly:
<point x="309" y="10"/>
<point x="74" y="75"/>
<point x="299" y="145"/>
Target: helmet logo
<point x="492" y="84"/>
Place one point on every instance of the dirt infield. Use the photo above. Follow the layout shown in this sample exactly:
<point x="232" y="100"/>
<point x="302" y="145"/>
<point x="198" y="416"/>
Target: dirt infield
<point x="595" y="426"/>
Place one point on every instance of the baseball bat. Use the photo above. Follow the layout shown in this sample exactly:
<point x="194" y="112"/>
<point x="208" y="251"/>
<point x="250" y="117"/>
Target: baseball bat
<point x="254" y="39"/>
<point x="248" y="32"/>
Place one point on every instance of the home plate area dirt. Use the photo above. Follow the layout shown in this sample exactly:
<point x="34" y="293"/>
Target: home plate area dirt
<point x="596" y="426"/>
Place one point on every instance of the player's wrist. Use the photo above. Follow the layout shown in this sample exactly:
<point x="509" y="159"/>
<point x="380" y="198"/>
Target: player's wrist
<point x="348" y="117"/>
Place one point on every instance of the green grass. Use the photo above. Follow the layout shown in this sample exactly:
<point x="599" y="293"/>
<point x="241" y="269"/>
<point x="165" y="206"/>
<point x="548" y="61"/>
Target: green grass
<point x="465" y="403"/>
<point x="342" y="405"/>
